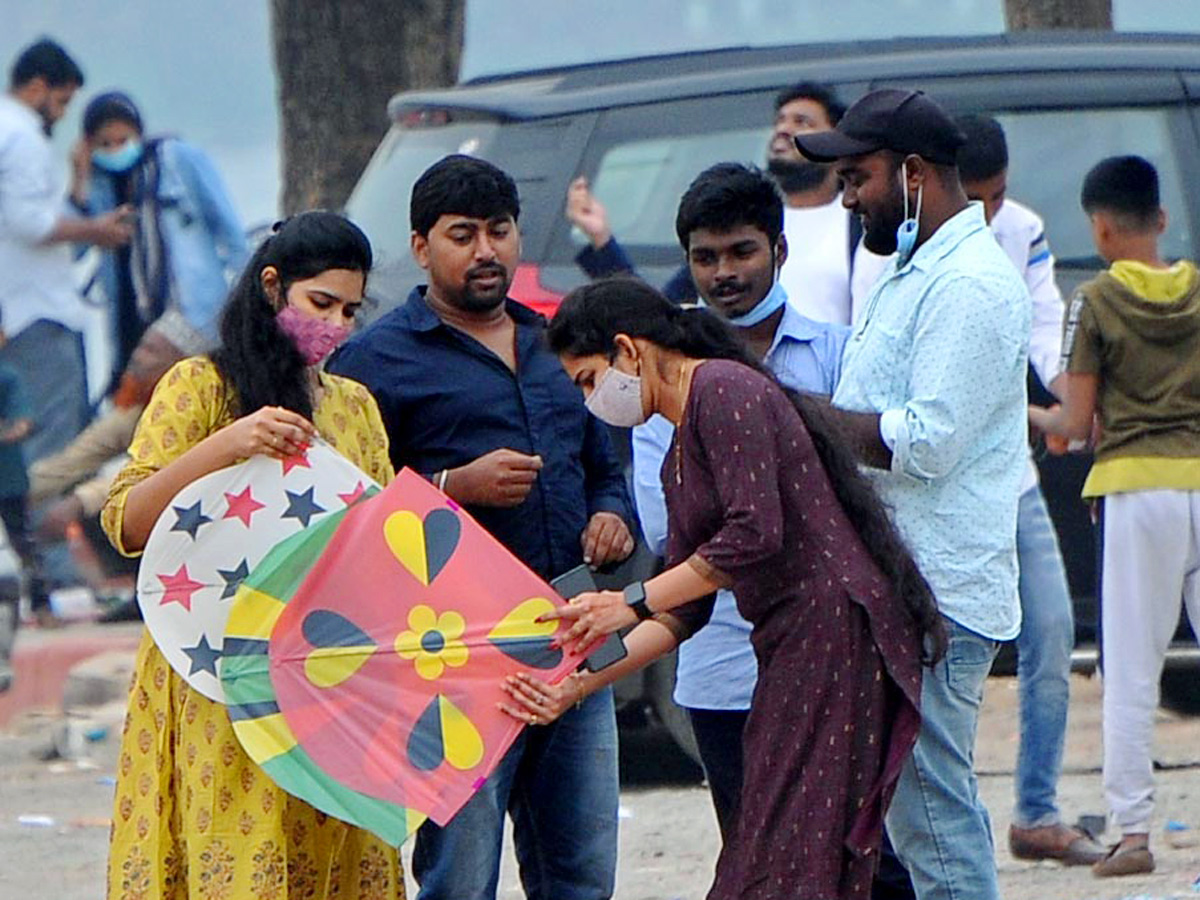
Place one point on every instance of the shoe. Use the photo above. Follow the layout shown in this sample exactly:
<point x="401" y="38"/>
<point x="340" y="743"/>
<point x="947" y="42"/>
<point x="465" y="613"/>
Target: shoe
<point x="125" y="611"/>
<point x="1125" y="860"/>
<point x="1069" y="846"/>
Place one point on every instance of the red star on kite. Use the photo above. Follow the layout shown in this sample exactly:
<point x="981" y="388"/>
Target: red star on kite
<point x="354" y="496"/>
<point x="179" y="588"/>
<point x="299" y="461"/>
<point x="242" y="506"/>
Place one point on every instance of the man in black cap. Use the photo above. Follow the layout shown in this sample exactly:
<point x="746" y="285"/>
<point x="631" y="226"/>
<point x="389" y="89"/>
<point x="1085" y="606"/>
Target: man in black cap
<point x="933" y="391"/>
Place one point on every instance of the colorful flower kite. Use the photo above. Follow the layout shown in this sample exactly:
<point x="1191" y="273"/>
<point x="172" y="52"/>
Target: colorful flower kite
<point x="364" y="659"/>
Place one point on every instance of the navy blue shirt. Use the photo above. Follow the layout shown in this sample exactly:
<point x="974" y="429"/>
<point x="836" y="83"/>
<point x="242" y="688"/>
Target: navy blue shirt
<point x="447" y="400"/>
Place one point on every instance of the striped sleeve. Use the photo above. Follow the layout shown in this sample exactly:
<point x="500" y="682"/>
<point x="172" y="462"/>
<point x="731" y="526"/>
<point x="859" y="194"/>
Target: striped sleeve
<point x="1039" y="249"/>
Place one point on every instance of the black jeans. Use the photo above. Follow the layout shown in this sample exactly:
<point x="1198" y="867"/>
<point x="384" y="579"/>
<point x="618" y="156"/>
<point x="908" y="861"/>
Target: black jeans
<point x="719" y="739"/>
<point x="891" y="880"/>
<point x="15" y="516"/>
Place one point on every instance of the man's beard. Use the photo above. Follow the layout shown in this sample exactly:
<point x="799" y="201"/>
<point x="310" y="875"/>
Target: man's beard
<point x="470" y="301"/>
<point x="879" y="240"/>
<point x="796" y="177"/>
<point x="879" y="230"/>
<point x="47" y="122"/>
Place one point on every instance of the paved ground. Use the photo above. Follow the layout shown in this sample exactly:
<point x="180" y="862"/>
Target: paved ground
<point x="668" y="834"/>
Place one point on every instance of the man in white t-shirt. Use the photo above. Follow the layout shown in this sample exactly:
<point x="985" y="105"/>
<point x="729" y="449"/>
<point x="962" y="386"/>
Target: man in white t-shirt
<point x="827" y="272"/>
<point x="1047" y="628"/>
<point x="42" y="311"/>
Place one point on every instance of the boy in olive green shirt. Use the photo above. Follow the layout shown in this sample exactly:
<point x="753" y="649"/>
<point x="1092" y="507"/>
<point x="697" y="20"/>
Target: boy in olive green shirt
<point x="1132" y="341"/>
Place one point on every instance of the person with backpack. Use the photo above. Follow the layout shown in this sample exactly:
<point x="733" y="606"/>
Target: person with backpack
<point x="165" y="289"/>
<point x="187" y="238"/>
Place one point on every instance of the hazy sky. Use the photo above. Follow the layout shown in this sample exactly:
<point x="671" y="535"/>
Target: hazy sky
<point x="202" y="69"/>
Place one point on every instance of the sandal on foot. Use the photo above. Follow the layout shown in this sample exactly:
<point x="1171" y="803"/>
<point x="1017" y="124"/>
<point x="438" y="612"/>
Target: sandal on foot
<point x="1121" y="860"/>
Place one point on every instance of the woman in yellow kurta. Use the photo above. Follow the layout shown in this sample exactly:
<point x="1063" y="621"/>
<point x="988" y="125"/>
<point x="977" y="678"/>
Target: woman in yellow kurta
<point x="194" y="816"/>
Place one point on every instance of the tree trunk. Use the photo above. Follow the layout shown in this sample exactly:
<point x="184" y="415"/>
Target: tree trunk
<point x="1029" y="15"/>
<point x="338" y="64"/>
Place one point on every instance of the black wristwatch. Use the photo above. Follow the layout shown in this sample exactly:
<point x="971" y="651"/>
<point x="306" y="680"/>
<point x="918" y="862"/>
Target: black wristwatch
<point x="635" y="599"/>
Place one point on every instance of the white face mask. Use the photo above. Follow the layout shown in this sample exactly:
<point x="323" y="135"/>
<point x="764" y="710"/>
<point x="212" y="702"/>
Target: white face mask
<point x="617" y="399"/>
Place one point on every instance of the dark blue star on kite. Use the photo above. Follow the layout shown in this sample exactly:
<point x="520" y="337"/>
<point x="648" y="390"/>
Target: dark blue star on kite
<point x="204" y="658"/>
<point x="233" y="579"/>
<point x="302" y="507"/>
<point x="189" y="519"/>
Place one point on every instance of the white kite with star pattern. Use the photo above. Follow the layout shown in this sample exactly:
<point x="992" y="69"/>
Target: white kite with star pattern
<point x="213" y="534"/>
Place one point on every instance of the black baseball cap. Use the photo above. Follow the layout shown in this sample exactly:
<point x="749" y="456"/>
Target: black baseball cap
<point x="903" y="121"/>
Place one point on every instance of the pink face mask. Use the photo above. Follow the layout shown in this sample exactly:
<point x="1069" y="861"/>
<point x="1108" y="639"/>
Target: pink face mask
<point x="314" y="338"/>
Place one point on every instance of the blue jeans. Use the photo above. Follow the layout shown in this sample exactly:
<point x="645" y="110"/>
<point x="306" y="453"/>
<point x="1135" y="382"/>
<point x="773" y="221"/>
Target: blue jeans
<point x="1044" y="663"/>
<point x="559" y="783"/>
<point x="49" y="357"/>
<point x="936" y="822"/>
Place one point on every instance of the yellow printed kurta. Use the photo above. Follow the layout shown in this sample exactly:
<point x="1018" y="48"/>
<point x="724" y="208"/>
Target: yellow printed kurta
<point x="194" y="817"/>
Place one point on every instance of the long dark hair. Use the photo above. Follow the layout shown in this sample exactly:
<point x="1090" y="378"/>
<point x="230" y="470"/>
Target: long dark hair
<point x="257" y="361"/>
<point x="590" y="318"/>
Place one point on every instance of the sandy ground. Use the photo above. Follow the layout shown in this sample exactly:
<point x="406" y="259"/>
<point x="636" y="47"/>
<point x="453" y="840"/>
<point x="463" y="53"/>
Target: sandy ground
<point x="668" y="833"/>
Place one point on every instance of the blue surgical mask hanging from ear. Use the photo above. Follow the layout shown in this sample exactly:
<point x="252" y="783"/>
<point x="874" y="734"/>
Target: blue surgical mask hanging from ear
<point x="906" y="234"/>
<point x="767" y="307"/>
<point x="770" y="304"/>
<point x="120" y="160"/>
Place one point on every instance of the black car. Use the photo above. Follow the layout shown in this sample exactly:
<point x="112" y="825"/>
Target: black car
<point x="641" y="129"/>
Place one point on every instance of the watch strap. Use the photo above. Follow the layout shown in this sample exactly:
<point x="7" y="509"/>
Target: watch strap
<point x="635" y="599"/>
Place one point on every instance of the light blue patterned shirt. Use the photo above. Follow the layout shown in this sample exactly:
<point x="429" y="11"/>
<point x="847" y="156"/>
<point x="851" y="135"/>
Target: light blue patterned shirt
<point x="716" y="666"/>
<point x="941" y="353"/>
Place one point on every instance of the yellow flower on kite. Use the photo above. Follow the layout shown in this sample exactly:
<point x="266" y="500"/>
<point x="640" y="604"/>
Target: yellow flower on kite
<point x="433" y="641"/>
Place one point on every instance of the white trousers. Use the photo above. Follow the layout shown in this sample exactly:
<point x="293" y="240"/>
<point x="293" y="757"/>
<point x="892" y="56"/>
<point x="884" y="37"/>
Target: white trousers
<point x="1151" y="564"/>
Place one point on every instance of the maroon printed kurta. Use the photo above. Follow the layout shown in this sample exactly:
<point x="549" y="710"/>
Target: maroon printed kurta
<point x="835" y="710"/>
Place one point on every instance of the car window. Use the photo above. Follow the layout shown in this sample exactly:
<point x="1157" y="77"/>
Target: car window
<point x="1050" y="152"/>
<point x="640" y="159"/>
<point x="640" y="182"/>
<point x="640" y="179"/>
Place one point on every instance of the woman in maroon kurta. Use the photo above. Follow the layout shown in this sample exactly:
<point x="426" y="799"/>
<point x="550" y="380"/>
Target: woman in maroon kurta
<point x="761" y="498"/>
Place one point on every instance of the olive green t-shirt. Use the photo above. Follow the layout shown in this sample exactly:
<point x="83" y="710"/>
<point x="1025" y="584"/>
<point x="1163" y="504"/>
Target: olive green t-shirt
<point x="1138" y="330"/>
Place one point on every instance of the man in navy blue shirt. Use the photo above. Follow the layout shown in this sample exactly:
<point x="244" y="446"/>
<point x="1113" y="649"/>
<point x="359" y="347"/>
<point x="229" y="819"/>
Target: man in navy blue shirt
<point x="472" y="399"/>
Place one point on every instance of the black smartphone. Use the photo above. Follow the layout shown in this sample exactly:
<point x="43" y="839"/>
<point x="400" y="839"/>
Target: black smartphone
<point x="578" y="581"/>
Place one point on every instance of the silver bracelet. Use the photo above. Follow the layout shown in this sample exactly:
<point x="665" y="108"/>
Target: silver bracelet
<point x="441" y="479"/>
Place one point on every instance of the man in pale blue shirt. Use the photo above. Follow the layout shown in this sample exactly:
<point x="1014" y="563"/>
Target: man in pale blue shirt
<point x="933" y="391"/>
<point x="730" y="224"/>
